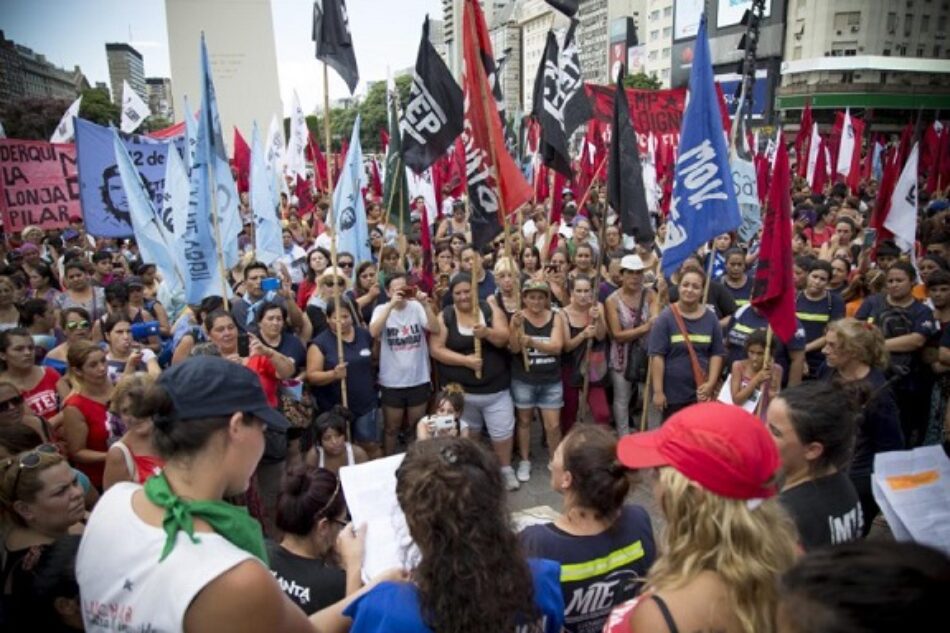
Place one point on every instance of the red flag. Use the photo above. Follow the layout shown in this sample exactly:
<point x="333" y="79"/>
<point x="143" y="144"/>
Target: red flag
<point x="304" y="197"/>
<point x="762" y="167"/>
<point x="802" y="139"/>
<point x="773" y="291"/>
<point x="930" y="147"/>
<point x="939" y="171"/>
<point x="892" y="172"/>
<point x="375" y="184"/>
<point x="822" y="168"/>
<point x="853" y="179"/>
<point x="242" y="160"/>
<point x="319" y="161"/>
<point x="384" y="141"/>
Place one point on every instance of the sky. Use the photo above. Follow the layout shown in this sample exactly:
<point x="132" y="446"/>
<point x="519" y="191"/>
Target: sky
<point x="70" y="32"/>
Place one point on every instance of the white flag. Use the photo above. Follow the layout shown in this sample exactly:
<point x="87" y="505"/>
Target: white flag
<point x="813" y="146"/>
<point x="64" y="131"/>
<point x="421" y="185"/>
<point x="134" y="110"/>
<point x="902" y="218"/>
<point x="274" y="153"/>
<point x="295" y="161"/>
<point x="846" y="148"/>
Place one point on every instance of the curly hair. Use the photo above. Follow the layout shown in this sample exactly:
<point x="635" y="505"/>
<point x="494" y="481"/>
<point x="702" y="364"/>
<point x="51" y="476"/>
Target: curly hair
<point x="863" y="341"/>
<point x="472" y="575"/>
<point x="747" y="548"/>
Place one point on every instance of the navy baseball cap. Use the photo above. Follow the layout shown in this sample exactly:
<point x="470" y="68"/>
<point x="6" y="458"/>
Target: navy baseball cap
<point x="210" y="386"/>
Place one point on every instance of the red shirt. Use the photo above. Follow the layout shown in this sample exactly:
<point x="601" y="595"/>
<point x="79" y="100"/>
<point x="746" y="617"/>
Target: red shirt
<point x="96" y="415"/>
<point x="267" y="373"/>
<point x="42" y="398"/>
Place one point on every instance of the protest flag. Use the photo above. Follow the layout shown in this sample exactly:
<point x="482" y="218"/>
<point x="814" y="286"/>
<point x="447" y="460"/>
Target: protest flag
<point x="375" y="182"/>
<point x="134" y="109"/>
<point x="567" y="7"/>
<point x="432" y="119"/>
<point x="814" y="150"/>
<point x="64" y="131"/>
<point x="268" y="242"/>
<point x="901" y="219"/>
<point x="625" y="192"/>
<point x="802" y="140"/>
<point x="331" y="33"/>
<point x="773" y="289"/>
<point x="349" y="221"/>
<point x="575" y="106"/>
<point x="495" y="184"/>
<point x="319" y="161"/>
<point x="395" y="191"/>
<point x="546" y="110"/>
<point x="296" y="144"/>
<point x="242" y="161"/>
<point x="191" y="135"/>
<point x="704" y="198"/>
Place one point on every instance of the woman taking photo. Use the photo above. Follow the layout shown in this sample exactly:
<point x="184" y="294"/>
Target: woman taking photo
<point x="814" y="428"/>
<point x="726" y="539"/>
<point x="856" y="359"/>
<point x="452" y="495"/>
<point x="582" y="320"/>
<point x="37" y="385"/>
<point x="594" y="525"/>
<point x="87" y="425"/>
<point x="330" y="449"/>
<point x="125" y="356"/>
<point x="686" y="349"/>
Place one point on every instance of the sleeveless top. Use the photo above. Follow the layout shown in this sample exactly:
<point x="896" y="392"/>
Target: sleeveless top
<point x="42" y="398"/>
<point x="495" y="376"/>
<point x="575" y="358"/>
<point x="629" y="319"/>
<point x="544" y="368"/>
<point x="103" y="430"/>
<point x="123" y="587"/>
<point x="350" y="458"/>
<point x="140" y="467"/>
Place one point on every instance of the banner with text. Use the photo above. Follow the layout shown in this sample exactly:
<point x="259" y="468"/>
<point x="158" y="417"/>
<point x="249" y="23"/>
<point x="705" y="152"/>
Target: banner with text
<point x="38" y="184"/>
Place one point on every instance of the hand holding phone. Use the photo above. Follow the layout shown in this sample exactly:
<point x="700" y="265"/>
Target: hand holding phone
<point x="244" y="344"/>
<point x="269" y="284"/>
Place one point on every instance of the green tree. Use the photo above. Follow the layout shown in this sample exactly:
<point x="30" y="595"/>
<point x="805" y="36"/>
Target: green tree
<point x="155" y="122"/>
<point x="373" y="110"/>
<point x="98" y="107"/>
<point x="642" y="81"/>
<point x="33" y="119"/>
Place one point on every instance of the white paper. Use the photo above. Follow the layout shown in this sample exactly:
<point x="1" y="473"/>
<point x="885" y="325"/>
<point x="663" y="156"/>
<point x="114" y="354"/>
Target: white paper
<point x="913" y="490"/>
<point x="370" y="490"/>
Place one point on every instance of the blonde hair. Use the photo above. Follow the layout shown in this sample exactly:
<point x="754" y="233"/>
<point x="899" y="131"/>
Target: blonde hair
<point x="862" y="340"/>
<point x="134" y="387"/>
<point x="747" y="548"/>
<point x="505" y="265"/>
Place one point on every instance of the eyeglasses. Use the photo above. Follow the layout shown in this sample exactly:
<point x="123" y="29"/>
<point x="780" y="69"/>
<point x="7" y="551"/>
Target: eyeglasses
<point x="30" y="460"/>
<point x="11" y="403"/>
<point x="339" y="283"/>
<point x="77" y="325"/>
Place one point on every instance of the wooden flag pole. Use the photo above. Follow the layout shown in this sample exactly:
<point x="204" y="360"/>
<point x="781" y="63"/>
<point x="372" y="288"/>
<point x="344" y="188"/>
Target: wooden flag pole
<point x="709" y="271"/>
<point x="646" y="396"/>
<point x="333" y="228"/>
<point x="549" y="232"/>
<point x="392" y="192"/>
<point x="768" y="360"/>
<point x="476" y="270"/>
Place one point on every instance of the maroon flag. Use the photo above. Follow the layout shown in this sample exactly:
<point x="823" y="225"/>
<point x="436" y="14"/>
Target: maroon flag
<point x="375" y="183"/>
<point x="304" y="197"/>
<point x="773" y="291"/>
<point x="892" y="172"/>
<point x="802" y="139"/>
<point x="242" y="161"/>
<point x="319" y="161"/>
<point x="822" y="168"/>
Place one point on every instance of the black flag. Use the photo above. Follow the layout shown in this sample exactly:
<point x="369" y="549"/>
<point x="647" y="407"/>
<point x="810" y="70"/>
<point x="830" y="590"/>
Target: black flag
<point x="331" y="32"/>
<point x="547" y="110"/>
<point x="625" y="192"/>
<point x="567" y="7"/>
<point x="432" y="119"/>
<point x="576" y="109"/>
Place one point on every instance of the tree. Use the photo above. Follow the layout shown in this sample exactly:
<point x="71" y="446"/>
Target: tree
<point x="642" y="81"/>
<point x="98" y="107"/>
<point x="155" y="122"/>
<point x="33" y="119"/>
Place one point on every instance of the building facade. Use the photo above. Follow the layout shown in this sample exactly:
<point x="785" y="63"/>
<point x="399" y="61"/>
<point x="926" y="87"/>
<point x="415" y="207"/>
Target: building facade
<point x="125" y="64"/>
<point x="161" y="102"/>
<point x="506" y="44"/>
<point x="452" y="14"/>
<point x="25" y="74"/>
<point x="535" y="19"/>
<point x="656" y="39"/>
<point x="593" y="39"/>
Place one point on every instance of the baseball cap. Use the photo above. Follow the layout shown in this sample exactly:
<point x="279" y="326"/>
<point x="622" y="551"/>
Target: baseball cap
<point x="723" y="448"/>
<point x="631" y="262"/>
<point x="70" y="234"/>
<point x="210" y="386"/>
<point x="567" y="191"/>
<point x="535" y="285"/>
<point x="134" y="282"/>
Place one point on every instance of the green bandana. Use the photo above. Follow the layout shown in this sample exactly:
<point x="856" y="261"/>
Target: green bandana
<point x="230" y="521"/>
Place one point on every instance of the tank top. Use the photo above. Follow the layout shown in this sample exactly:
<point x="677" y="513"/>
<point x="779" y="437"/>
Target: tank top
<point x="123" y="587"/>
<point x="140" y="467"/>
<point x="495" y="376"/>
<point x="103" y="427"/>
<point x="42" y="398"/>
<point x="629" y="319"/>
<point x="350" y="458"/>
<point x="543" y="369"/>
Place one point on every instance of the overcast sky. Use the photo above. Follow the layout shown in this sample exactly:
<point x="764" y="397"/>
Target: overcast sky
<point x="71" y="32"/>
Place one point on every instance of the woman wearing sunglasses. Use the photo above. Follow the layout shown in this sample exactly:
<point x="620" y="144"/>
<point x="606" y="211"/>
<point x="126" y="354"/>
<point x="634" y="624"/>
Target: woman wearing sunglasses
<point x="41" y="495"/>
<point x="333" y="282"/>
<point x="14" y="413"/>
<point x="37" y="385"/>
<point x="77" y="326"/>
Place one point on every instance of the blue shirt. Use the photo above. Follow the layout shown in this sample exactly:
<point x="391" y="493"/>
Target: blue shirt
<point x="393" y="607"/>
<point x="746" y="321"/>
<point x="667" y="341"/>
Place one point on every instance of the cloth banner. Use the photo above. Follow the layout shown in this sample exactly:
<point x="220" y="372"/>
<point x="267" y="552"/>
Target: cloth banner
<point x="38" y="184"/>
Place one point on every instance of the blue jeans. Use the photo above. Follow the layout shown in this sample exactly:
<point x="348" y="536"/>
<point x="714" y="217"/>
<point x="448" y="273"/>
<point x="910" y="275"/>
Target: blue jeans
<point x="544" y="396"/>
<point x="365" y="428"/>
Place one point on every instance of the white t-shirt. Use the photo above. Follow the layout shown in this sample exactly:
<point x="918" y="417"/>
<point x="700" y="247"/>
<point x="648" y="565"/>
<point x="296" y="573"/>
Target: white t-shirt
<point x="123" y="587"/>
<point x="404" y="351"/>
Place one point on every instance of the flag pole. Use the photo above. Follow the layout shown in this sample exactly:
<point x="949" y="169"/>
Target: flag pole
<point x="583" y="408"/>
<point x="476" y="269"/>
<point x="333" y="262"/>
<point x="767" y="359"/>
<point x="590" y="186"/>
<point x="549" y="232"/>
<point x="646" y="396"/>
<point x="709" y="271"/>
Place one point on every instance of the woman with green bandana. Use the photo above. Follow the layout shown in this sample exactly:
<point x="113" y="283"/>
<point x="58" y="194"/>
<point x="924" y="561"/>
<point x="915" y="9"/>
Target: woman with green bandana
<point x="172" y="555"/>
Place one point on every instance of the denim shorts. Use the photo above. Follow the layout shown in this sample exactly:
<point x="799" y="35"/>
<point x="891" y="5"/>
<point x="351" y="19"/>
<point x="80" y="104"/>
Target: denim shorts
<point x="544" y="396"/>
<point x="365" y="428"/>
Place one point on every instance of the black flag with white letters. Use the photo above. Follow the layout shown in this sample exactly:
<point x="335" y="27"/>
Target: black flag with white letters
<point x="576" y="109"/>
<point x="432" y="118"/>
<point x="547" y="110"/>
<point x="331" y="32"/>
<point x="567" y="7"/>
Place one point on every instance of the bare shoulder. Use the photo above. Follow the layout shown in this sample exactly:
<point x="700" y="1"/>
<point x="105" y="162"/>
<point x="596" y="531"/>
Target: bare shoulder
<point x="359" y="455"/>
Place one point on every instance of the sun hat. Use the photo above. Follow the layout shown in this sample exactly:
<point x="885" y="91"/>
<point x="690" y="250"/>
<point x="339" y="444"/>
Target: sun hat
<point x="632" y="262"/>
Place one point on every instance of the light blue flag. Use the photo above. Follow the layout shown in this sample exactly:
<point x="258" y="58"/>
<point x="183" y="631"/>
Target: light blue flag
<point x="704" y="198"/>
<point x="191" y="135"/>
<point x="151" y="235"/>
<point x="269" y="244"/>
<point x="349" y="214"/>
<point x="210" y="156"/>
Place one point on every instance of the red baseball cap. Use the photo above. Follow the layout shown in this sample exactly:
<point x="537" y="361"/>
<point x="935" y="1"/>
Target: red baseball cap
<point x="723" y="448"/>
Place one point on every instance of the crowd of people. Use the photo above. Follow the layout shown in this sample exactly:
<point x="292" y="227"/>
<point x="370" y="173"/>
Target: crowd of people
<point x="127" y="417"/>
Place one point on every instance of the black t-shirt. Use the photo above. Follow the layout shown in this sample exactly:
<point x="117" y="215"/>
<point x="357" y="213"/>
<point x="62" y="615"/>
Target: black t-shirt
<point x="291" y="347"/>
<point x="720" y="299"/>
<point x="310" y="583"/>
<point x="597" y="572"/>
<point x="826" y="511"/>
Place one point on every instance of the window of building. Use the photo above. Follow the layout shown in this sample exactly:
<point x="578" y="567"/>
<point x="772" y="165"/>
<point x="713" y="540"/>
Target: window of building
<point x="797" y="52"/>
<point x="908" y="24"/>
<point x="667" y="11"/>
<point x="936" y="51"/>
<point x="666" y="53"/>
<point x="920" y="51"/>
<point x="652" y="56"/>
<point x="668" y="31"/>
<point x="654" y="15"/>
<point x="902" y="50"/>
<point x="847" y="77"/>
<point x="846" y="20"/>
<point x="654" y="35"/>
<point x="941" y="24"/>
<point x="925" y="24"/>
<point x="665" y="73"/>
<point x="886" y="52"/>
<point x="892" y="23"/>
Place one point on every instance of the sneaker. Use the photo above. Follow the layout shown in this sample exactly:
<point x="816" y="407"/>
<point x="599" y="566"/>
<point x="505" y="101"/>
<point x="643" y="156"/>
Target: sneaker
<point x="511" y="481"/>
<point x="524" y="470"/>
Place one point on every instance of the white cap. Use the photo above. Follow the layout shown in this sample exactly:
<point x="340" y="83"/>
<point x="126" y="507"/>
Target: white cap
<point x="632" y="262"/>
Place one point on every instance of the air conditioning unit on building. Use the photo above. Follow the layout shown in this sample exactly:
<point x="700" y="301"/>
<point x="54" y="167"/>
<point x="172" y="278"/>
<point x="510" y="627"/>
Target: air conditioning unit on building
<point x="855" y="28"/>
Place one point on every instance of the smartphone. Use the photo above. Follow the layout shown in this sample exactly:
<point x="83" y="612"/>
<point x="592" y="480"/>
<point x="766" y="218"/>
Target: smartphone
<point x="870" y="236"/>
<point x="409" y="292"/>
<point x="270" y="283"/>
<point x="244" y="344"/>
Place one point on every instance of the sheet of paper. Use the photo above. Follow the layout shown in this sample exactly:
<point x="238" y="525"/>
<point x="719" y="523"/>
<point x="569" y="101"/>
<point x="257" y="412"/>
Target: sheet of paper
<point x="913" y="489"/>
<point x="538" y="515"/>
<point x="370" y="490"/>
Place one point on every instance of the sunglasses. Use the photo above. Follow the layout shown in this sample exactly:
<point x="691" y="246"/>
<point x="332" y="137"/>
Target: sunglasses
<point x="11" y="403"/>
<point x="339" y="283"/>
<point x="77" y="325"/>
<point x="30" y="460"/>
<point x="346" y="264"/>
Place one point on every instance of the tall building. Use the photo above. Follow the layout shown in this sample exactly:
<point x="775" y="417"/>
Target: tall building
<point x="656" y="37"/>
<point x="160" y="100"/>
<point x="882" y="55"/>
<point x="535" y="19"/>
<point x="452" y="14"/>
<point x="125" y="64"/>
<point x="506" y="43"/>
<point x="437" y="38"/>
<point x="593" y="34"/>
<point x="25" y="74"/>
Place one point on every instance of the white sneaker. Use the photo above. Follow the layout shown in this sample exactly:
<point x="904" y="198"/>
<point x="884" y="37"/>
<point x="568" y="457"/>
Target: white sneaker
<point x="511" y="481"/>
<point x="524" y="470"/>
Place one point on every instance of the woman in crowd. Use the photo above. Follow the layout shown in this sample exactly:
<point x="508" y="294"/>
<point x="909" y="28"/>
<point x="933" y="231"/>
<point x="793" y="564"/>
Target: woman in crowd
<point x="77" y="325"/>
<point x="457" y="243"/>
<point x="132" y="457"/>
<point x="613" y="242"/>
<point x="125" y="356"/>
<point x="456" y="224"/>
<point x="402" y="327"/>
<point x="366" y="291"/>
<point x="755" y="379"/>
<point x="80" y="293"/>
<point x="453" y="498"/>
<point x="856" y="357"/>
<point x="630" y="311"/>
<point x="583" y="261"/>
<point x="41" y="497"/>
<point x="906" y="324"/>
<point x="686" y="349"/>
<point x="485" y="378"/>
<point x="449" y="402"/>
<point x="298" y="229"/>
<point x="139" y="305"/>
<point x="736" y="280"/>
<point x="926" y="266"/>
<point x="317" y="261"/>
<point x="43" y="283"/>
<point x="38" y="317"/>
<point x="582" y="235"/>
<point x="326" y="370"/>
<point x="332" y="283"/>
<point x="594" y="525"/>
<point x="536" y="340"/>
<point x="37" y="385"/>
<point x="582" y="320"/>
<point x="273" y="334"/>
<point x="722" y="244"/>
<point x="840" y="275"/>
<point x="824" y="227"/>
<point x="445" y="263"/>
<point x="9" y="314"/>
<point x="530" y="261"/>
<point x="726" y="539"/>
<point x="555" y="273"/>
<point x="388" y="264"/>
<point x="814" y="429"/>
<point x="189" y="330"/>
<point x="330" y="449"/>
<point x="312" y="565"/>
<point x="508" y="283"/>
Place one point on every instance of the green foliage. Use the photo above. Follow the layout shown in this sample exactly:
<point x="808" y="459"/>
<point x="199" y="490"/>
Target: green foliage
<point x="155" y="122"/>
<point x="98" y="107"/>
<point x="642" y="81"/>
<point x="33" y="119"/>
